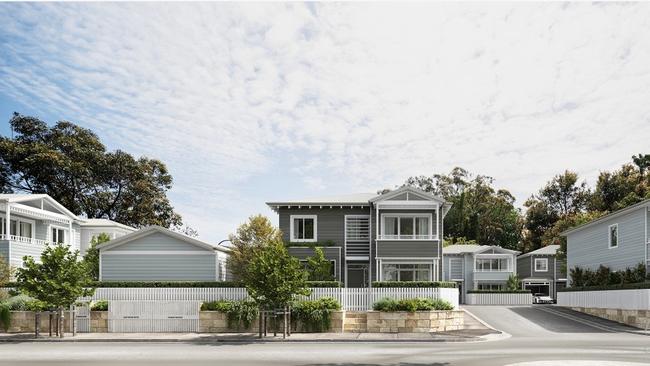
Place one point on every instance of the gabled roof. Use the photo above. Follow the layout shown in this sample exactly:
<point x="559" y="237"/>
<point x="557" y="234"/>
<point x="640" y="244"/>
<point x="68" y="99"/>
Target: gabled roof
<point x="413" y="190"/>
<point x="158" y="229"/>
<point x="27" y="197"/>
<point x="645" y="203"/>
<point x="104" y="223"/>
<point x="474" y="248"/>
<point x="547" y="250"/>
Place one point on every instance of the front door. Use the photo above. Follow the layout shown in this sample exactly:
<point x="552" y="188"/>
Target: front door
<point x="357" y="275"/>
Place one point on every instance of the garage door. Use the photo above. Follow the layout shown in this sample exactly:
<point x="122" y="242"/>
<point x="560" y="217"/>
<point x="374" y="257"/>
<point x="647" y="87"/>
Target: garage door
<point x="153" y="316"/>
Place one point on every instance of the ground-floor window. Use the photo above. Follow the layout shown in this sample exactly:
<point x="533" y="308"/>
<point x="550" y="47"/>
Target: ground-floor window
<point x="406" y="272"/>
<point x="490" y="286"/>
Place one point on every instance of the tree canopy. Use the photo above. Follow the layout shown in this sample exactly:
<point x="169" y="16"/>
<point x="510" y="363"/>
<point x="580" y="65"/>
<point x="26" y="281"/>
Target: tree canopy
<point x="58" y="280"/>
<point x="91" y="258"/>
<point x="479" y="212"/>
<point x="252" y="235"/>
<point x="72" y="165"/>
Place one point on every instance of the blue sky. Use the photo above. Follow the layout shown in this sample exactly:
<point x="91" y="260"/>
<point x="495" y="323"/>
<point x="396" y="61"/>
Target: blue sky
<point x="248" y="103"/>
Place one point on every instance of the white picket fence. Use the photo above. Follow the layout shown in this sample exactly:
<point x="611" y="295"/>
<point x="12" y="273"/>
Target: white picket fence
<point x="352" y="299"/>
<point x="499" y="299"/>
<point x="607" y="299"/>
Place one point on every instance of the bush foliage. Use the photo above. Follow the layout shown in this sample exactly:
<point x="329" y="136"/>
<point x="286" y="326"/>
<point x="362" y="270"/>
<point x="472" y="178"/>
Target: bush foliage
<point x="314" y="315"/>
<point x="100" y="305"/>
<point x="241" y="314"/>
<point x="499" y="291"/>
<point x="411" y="305"/>
<point x="605" y="277"/>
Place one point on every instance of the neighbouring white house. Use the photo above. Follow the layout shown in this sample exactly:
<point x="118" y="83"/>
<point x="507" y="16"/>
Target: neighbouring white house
<point x="28" y="222"/>
<point x="158" y="254"/>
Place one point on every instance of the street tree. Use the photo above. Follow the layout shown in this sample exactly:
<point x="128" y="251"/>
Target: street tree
<point x="252" y="235"/>
<point x="91" y="258"/>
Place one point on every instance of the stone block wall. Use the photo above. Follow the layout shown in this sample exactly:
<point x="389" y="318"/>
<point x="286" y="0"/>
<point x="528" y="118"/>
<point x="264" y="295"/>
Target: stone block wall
<point x="217" y="322"/>
<point x="355" y="322"/>
<point x="417" y="322"/>
<point x="635" y="318"/>
<point x="24" y="322"/>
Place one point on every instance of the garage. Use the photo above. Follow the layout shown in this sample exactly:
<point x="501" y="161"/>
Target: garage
<point x="538" y="286"/>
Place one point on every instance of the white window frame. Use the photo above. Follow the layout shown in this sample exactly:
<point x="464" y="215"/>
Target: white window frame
<point x="458" y="260"/>
<point x="510" y="263"/>
<point x="430" y="264"/>
<point x="609" y="236"/>
<point x="66" y="234"/>
<point x="291" y="228"/>
<point x="541" y="260"/>
<point x="429" y="216"/>
<point x="18" y="220"/>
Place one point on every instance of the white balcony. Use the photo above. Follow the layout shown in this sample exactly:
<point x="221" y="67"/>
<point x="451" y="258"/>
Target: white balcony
<point x="23" y="239"/>
<point x="407" y="237"/>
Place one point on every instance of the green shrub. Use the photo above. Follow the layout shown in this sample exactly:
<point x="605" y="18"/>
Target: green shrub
<point x="314" y="315"/>
<point x="100" y="305"/>
<point x="625" y="286"/>
<point x="5" y="316"/>
<point x="24" y="303"/>
<point x="241" y="314"/>
<point x="498" y="291"/>
<point x="604" y="276"/>
<point x="333" y="284"/>
<point x="414" y="284"/>
<point x="411" y="305"/>
<point x="326" y="243"/>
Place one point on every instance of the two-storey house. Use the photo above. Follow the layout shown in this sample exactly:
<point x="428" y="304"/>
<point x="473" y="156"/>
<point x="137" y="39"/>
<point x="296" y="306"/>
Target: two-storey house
<point x="619" y="240"/>
<point x="541" y="271"/>
<point x="396" y="236"/>
<point x="478" y="267"/>
<point x="28" y="222"/>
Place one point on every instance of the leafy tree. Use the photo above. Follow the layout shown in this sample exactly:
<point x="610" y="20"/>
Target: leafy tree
<point x="186" y="230"/>
<point x="72" y="165"/>
<point x="319" y="267"/>
<point x="250" y="236"/>
<point x="58" y="280"/>
<point x="513" y="283"/>
<point x="479" y="212"/>
<point x="273" y="277"/>
<point x="624" y="187"/>
<point x="560" y="199"/>
<point x="91" y="259"/>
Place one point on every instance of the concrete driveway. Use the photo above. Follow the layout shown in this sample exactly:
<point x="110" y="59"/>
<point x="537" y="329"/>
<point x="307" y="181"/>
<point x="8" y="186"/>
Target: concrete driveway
<point x="536" y="321"/>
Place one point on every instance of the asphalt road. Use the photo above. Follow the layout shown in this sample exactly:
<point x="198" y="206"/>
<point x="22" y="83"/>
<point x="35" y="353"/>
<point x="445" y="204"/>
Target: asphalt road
<point x="539" y="334"/>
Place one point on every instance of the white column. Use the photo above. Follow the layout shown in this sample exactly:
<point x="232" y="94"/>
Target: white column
<point x="70" y="240"/>
<point x="8" y="221"/>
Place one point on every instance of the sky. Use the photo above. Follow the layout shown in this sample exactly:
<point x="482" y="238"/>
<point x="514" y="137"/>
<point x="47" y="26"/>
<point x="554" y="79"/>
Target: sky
<point x="248" y="103"/>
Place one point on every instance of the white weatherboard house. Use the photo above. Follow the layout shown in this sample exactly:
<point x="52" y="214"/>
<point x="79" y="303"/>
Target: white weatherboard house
<point x="28" y="222"/>
<point x="159" y="254"/>
<point x="478" y="267"/>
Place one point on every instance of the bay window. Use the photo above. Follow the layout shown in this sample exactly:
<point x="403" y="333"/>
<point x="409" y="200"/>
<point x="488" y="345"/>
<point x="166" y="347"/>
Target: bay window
<point x="407" y="227"/>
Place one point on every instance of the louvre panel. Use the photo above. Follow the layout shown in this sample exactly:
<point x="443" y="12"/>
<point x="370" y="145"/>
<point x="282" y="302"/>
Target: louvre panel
<point x="357" y="235"/>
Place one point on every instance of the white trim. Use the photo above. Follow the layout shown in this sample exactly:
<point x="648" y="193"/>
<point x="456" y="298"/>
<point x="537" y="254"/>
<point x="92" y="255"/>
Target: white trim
<point x="65" y="236"/>
<point x="461" y="260"/>
<point x="18" y="220"/>
<point x="356" y="258"/>
<point x="647" y="265"/>
<point x="407" y="258"/>
<point x="157" y="252"/>
<point x="291" y="228"/>
<point x="100" y="265"/>
<point x="431" y="265"/>
<point x="398" y="237"/>
<point x="541" y="260"/>
<point x="609" y="236"/>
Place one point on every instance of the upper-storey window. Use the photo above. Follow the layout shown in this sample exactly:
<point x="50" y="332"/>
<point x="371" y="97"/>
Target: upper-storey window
<point x="303" y="228"/>
<point x="58" y="235"/>
<point x="541" y="264"/>
<point x="406" y="226"/>
<point x="492" y="264"/>
<point x="613" y="236"/>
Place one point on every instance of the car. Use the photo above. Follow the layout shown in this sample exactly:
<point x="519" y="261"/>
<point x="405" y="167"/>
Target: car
<point x="542" y="299"/>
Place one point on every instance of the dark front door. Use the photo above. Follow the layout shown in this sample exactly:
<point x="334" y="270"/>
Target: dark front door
<point x="357" y="275"/>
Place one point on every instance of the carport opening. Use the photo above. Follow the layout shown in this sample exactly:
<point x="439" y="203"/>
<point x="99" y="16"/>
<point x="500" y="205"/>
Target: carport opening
<point x="538" y="289"/>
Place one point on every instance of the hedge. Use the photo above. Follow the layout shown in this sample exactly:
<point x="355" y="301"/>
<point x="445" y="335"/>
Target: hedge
<point x="167" y="284"/>
<point x="626" y="286"/>
<point x="499" y="292"/>
<point x="411" y="305"/>
<point x="326" y="243"/>
<point x="402" y="284"/>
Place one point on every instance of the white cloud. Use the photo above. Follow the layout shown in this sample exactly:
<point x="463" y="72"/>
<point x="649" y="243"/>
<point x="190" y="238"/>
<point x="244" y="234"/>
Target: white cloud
<point x="251" y="102"/>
